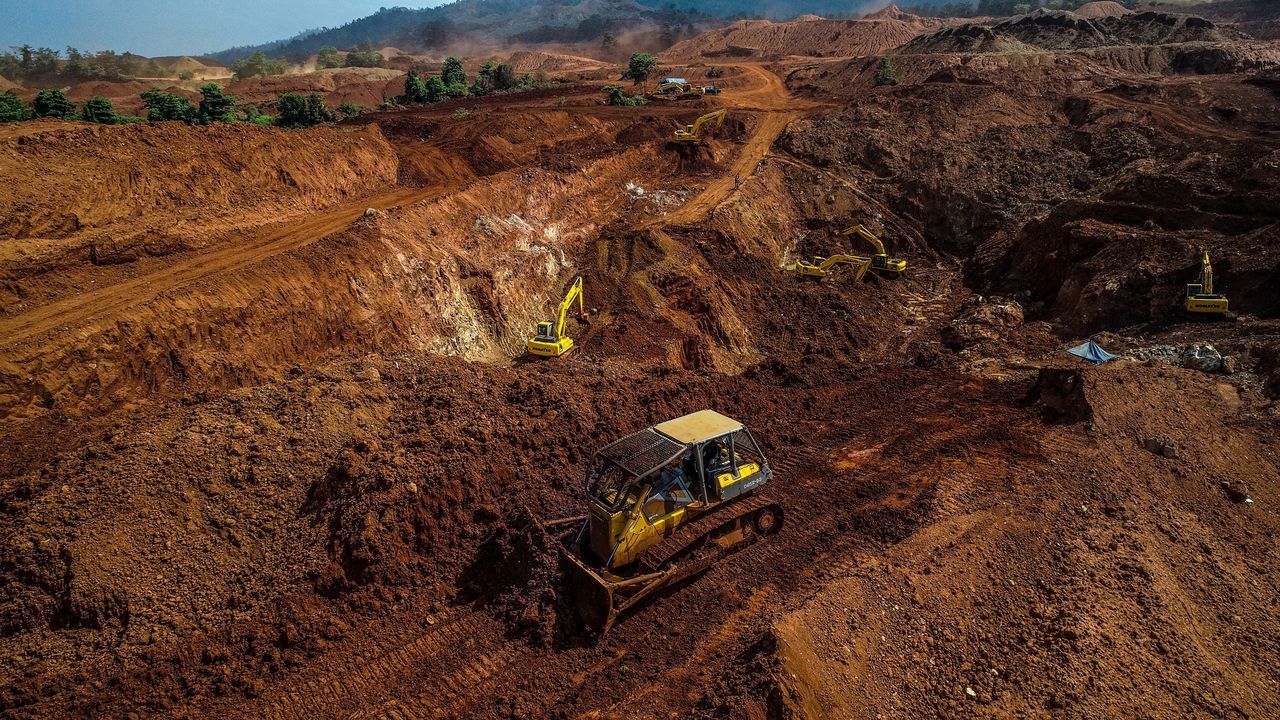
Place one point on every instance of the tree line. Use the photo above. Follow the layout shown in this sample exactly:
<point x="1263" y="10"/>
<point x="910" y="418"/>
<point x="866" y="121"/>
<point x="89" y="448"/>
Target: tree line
<point x="31" y="65"/>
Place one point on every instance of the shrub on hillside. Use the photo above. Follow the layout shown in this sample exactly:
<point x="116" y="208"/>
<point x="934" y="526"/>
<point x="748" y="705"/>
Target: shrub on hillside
<point x="328" y="57"/>
<point x="618" y="97"/>
<point x="364" y="56"/>
<point x="297" y="111"/>
<point x="166" y="106"/>
<point x="100" y="110"/>
<point x="12" y="108"/>
<point x="258" y="65"/>
<point x="885" y="74"/>
<point x="52" y="102"/>
<point x="214" y="106"/>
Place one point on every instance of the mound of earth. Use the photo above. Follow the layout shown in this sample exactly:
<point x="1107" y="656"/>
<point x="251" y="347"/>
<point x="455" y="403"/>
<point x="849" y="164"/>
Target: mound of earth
<point x="367" y="87"/>
<point x="816" y="37"/>
<point x="535" y="61"/>
<point x="1059" y="30"/>
<point x="1102" y="8"/>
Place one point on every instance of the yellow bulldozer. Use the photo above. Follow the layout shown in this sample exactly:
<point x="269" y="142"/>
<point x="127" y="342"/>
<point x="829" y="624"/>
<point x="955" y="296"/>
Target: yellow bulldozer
<point x="551" y="340"/>
<point x="1201" y="299"/>
<point x="694" y="134"/>
<point x="665" y="504"/>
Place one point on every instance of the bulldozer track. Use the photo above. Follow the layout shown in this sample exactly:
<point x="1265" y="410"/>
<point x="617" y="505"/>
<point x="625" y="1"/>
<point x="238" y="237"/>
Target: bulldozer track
<point x="663" y="552"/>
<point x="353" y="686"/>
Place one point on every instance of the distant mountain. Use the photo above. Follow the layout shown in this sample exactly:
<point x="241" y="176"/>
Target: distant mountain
<point x="466" y="22"/>
<point x="484" y="21"/>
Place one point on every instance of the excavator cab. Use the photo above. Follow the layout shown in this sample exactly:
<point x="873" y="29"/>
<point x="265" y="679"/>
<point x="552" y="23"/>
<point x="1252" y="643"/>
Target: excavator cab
<point x="650" y="493"/>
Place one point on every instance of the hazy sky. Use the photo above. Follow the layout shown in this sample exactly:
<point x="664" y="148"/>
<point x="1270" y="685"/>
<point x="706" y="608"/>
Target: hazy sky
<point x="173" y="27"/>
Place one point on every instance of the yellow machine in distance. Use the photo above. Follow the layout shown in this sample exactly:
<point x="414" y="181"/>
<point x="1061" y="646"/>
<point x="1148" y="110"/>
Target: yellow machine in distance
<point x="823" y="266"/>
<point x="679" y="90"/>
<point x="691" y="134"/>
<point x="551" y="340"/>
<point x="666" y="503"/>
<point x="1200" y="296"/>
<point x="880" y="261"/>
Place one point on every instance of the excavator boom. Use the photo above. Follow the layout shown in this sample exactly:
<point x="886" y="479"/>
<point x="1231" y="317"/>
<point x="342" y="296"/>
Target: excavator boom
<point x="693" y="133"/>
<point x="1201" y="299"/>
<point x="822" y="267"/>
<point x="551" y="340"/>
<point x="880" y="261"/>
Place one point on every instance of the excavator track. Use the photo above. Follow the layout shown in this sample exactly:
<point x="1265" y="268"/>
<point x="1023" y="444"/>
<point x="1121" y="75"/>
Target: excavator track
<point x="688" y="536"/>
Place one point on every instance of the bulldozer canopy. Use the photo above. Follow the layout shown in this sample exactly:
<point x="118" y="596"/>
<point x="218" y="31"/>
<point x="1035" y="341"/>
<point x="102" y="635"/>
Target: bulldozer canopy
<point x="641" y="453"/>
<point x="698" y="427"/>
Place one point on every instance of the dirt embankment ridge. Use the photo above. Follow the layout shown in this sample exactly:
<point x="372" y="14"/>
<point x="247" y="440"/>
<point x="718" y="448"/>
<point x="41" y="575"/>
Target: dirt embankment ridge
<point x="1062" y="30"/>
<point x="808" y="36"/>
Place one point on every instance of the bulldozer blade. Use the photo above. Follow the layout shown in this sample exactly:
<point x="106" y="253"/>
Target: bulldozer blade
<point x="593" y="595"/>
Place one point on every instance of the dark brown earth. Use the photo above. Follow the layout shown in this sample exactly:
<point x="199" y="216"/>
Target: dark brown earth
<point x="290" y="463"/>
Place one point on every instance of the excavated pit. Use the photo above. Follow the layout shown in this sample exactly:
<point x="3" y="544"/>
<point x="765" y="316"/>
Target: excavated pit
<point x="295" y="465"/>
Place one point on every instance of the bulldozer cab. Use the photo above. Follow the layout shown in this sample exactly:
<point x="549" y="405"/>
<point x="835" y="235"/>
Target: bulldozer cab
<point x="643" y="486"/>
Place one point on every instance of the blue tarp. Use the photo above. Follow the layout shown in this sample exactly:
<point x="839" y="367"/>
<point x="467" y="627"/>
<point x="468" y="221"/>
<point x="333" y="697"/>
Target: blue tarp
<point x="1091" y="353"/>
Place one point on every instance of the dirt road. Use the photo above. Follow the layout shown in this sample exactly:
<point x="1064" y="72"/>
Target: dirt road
<point x="778" y="107"/>
<point x="99" y="306"/>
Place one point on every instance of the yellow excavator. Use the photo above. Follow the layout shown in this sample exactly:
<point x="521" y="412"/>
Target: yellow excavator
<point x="665" y="504"/>
<point x="551" y="340"/>
<point x="1201" y="298"/>
<point x="678" y="91"/>
<point x="823" y="266"/>
<point x="880" y="261"/>
<point x="693" y="134"/>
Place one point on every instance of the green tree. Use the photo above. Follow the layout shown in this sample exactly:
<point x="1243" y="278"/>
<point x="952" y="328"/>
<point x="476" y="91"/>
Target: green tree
<point x="52" y="102"/>
<point x="885" y="74"/>
<point x="618" y="97"/>
<point x="297" y="111"/>
<point x="12" y="108"/>
<point x="364" y="56"/>
<point x="214" y="106"/>
<point x="163" y="106"/>
<point x="186" y="76"/>
<point x="502" y="76"/>
<point x="258" y="65"/>
<point x="349" y="109"/>
<point x="482" y="86"/>
<point x="641" y="66"/>
<point x="328" y="57"/>
<point x="100" y="110"/>
<point x="452" y="73"/>
<point x="415" y="89"/>
<point x="436" y="91"/>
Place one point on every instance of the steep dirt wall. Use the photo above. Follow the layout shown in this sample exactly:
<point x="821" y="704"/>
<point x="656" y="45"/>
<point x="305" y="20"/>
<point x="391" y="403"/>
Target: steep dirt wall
<point x="88" y="177"/>
<point x="468" y="274"/>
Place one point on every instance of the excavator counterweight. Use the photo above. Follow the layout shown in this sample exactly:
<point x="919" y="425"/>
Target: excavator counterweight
<point x="551" y="340"/>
